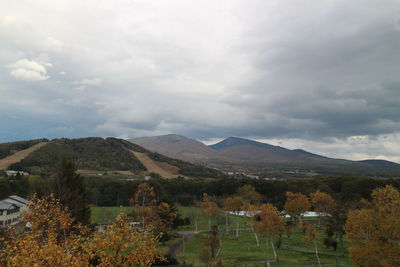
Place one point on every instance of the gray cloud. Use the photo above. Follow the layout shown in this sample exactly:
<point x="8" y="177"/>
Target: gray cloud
<point x="301" y="71"/>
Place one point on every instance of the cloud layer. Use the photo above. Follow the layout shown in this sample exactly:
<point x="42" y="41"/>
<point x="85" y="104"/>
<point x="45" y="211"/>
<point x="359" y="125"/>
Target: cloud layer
<point x="304" y="73"/>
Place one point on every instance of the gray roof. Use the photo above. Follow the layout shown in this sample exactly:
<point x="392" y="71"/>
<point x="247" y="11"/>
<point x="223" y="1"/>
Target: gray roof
<point x="19" y="199"/>
<point x="4" y="205"/>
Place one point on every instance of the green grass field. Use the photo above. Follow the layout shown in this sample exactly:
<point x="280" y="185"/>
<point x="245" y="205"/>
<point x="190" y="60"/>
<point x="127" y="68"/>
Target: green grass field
<point x="242" y="251"/>
<point x="107" y="214"/>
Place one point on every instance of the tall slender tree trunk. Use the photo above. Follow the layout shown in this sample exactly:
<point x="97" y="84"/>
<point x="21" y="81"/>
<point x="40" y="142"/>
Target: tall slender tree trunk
<point x="273" y="249"/>
<point x="255" y="235"/>
<point x="316" y="253"/>
<point x="226" y="222"/>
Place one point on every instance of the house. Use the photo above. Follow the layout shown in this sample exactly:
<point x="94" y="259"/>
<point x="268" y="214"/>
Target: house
<point x="10" y="210"/>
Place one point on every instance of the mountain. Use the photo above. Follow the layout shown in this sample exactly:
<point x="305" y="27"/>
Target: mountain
<point x="106" y="155"/>
<point x="236" y="153"/>
<point x="177" y="146"/>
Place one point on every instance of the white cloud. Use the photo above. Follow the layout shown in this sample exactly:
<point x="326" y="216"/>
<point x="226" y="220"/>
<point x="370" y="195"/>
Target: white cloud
<point x="29" y="70"/>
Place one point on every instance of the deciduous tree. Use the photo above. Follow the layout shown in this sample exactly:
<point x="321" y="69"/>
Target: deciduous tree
<point x="375" y="232"/>
<point x="296" y="204"/>
<point x="269" y="224"/>
<point x="323" y="203"/>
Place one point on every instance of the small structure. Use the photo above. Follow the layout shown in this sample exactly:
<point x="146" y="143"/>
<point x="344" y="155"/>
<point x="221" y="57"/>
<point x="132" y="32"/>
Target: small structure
<point x="10" y="210"/>
<point x="12" y="173"/>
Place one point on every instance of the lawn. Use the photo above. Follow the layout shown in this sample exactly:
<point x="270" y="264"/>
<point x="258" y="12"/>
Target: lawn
<point x="242" y="250"/>
<point x="107" y="214"/>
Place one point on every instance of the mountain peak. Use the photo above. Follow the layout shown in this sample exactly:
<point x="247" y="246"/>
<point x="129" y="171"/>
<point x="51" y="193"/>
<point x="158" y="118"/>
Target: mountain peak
<point x="235" y="141"/>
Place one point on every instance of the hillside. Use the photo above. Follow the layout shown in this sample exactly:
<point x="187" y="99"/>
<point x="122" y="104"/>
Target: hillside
<point x="239" y="153"/>
<point x="177" y="146"/>
<point x="110" y="154"/>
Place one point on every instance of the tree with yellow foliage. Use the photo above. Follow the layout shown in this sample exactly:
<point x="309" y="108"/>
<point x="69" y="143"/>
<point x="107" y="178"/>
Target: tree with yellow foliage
<point x="296" y="204"/>
<point x="374" y="232"/>
<point x="123" y="245"/>
<point x="52" y="240"/>
<point x="234" y="204"/>
<point x="323" y="203"/>
<point x="55" y="239"/>
<point x="269" y="224"/>
<point x="144" y="198"/>
<point x="208" y="208"/>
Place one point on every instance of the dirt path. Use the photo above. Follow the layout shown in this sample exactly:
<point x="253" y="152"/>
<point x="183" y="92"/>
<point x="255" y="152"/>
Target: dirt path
<point x="18" y="156"/>
<point x="164" y="169"/>
<point x="173" y="249"/>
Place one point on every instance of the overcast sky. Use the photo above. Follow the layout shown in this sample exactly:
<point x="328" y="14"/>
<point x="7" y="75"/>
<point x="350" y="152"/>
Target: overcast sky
<point x="319" y="75"/>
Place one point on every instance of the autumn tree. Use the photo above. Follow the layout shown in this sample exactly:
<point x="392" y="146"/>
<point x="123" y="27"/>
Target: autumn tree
<point x="249" y="193"/>
<point x="208" y="208"/>
<point x="235" y="205"/>
<point x="55" y="239"/>
<point x="123" y="245"/>
<point x="269" y="224"/>
<point x="52" y="240"/>
<point x="144" y="198"/>
<point x="323" y="203"/>
<point x="311" y="236"/>
<point x="375" y="232"/>
<point x="296" y="204"/>
<point x="212" y="245"/>
<point x="70" y="190"/>
<point x="164" y="216"/>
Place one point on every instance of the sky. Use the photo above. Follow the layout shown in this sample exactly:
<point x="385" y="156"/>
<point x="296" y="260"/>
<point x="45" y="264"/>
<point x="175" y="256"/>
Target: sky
<point x="318" y="75"/>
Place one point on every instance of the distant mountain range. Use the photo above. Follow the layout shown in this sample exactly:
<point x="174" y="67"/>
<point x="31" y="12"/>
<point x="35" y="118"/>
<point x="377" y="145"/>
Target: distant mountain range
<point x="238" y="153"/>
<point x="96" y="155"/>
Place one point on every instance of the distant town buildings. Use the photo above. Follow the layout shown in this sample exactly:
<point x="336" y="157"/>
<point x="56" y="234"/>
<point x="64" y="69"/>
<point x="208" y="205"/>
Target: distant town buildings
<point x="10" y="210"/>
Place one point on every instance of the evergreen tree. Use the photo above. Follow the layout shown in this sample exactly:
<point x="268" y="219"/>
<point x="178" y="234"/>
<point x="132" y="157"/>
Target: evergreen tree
<point x="70" y="190"/>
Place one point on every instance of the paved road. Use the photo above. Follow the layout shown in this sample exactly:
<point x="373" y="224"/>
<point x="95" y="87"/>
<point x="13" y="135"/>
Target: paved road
<point x="173" y="249"/>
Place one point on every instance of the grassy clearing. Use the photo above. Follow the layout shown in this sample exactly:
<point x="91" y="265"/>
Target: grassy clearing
<point x="107" y="214"/>
<point x="243" y="250"/>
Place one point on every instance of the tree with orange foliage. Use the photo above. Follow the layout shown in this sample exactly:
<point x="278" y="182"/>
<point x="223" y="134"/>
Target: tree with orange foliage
<point x="52" y="240"/>
<point x="208" y="208"/>
<point x="235" y="205"/>
<point x="123" y="245"/>
<point x="163" y="215"/>
<point x="296" y="204"/>
<point x="269" y="224"/>
<point x="144" y="198"/>
<point x="323" y="203"/>
<point x="55" y="239"/>
<point x="311" y="236"/>
<point x="375" y="232"/>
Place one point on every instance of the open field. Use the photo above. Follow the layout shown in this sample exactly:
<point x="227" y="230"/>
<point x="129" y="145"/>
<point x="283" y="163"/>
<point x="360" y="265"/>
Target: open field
<point x="18" y="156"/>
<point x="242" y="251"/>
<point x="107" y="214"/>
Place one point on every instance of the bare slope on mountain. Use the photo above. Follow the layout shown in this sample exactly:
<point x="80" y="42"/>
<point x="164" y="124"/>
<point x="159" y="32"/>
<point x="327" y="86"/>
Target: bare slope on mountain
<point x="19" y="155"/>
<point x="162" y="168"/>
<point x="177" y="146"/>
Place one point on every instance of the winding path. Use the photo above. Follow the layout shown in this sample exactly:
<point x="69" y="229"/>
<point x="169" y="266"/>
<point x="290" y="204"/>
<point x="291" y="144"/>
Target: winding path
<point x="173" y="249"/>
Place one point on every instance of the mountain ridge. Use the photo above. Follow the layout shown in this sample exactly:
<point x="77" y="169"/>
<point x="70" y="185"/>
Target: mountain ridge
<point x="237" y="152"/>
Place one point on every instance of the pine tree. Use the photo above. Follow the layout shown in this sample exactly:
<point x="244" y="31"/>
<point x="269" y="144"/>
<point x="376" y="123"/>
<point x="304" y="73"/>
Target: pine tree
<point x="69" y="188"/>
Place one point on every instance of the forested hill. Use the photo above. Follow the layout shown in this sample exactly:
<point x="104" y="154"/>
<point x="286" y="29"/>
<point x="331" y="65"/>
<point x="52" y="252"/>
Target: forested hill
<point x="109" y="154"/>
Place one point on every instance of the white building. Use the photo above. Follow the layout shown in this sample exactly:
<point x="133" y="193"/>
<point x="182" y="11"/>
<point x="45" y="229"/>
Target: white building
<point x="10" y="210"/>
